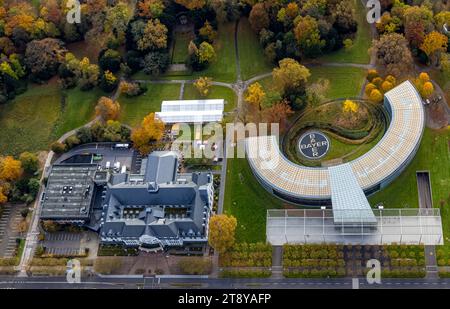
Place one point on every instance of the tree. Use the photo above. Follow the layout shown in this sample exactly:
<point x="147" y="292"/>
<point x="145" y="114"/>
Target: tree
<point x="259" y="18"/>
<point x="290" y="75"/>
<point x="424" y="85"/>
<point x="350" y="106"/>
<point x="192" y="4"/>
<point x="10" y="169"/>
<point x="255" y="95"/>
<point x="433" y="45"/>
<point x="30" y="162"/>
<point x="203" y="84"/>
<point x="154" y="36"/>
<point x="417" y="22"/>
<point x="307" y="35"/>
<point x="278" y="113"/>
<point x="110" y="60"/>
<point x="222" y="232"/>
<point x="392" y="52"/>
<point x="150" y="8"/>
<point x="386" y="86"/>
<point x="58" y="147"/>
<point x="376" y="96"/>
<point x="427" y="90"/>
<point x="348" y="44"/>
<point x="107" y="109"/>
<point x="43" y="57"/>
<point x="208" y="32"/>
<point x="116" y="21"/>
<point x="155" y="63"/>
<point x="108" y="81"/>
<point x="371" y="74"/>
<point x="206" y="53"/>
<point x="316" y="93"/>
<point x="368" y="89"/>
<point x="150" y="130"/>
<point x="3" y="195"/>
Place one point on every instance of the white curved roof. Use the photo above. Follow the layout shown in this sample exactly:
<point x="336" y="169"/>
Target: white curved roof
<point x="389" y="156"/>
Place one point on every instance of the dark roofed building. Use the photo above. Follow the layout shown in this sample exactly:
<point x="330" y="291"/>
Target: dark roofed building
<point x="69" y="192"/>
<point x="159" y="208"/>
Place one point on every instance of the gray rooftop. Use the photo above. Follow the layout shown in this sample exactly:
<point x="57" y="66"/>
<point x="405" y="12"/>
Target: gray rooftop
<point x="69" y="192"/>
<point x="161" y="204"/>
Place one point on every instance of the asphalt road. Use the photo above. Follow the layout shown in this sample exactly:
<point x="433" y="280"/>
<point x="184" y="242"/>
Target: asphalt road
<point x="209" y="283"/>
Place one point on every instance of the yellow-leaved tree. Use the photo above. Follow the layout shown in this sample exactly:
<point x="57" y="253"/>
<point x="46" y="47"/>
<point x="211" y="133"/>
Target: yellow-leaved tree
<point x="222" y="232"/>
<point x="255" y="95"/>
<point x="350" y="106"/>
<point x="10" y="169"/>
<point x="107" y="109"/>
<point x="150" y="130"/>
<point x="203" y="84"/>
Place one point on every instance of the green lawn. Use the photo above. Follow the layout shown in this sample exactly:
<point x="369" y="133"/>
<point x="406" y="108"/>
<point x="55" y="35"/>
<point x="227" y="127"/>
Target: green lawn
<point x="247" y="200"/>
<point x="180" y="46"/>
<point x="78" y="109"/>
<point x="345" y="82"/>
<point x="28" y="121"/>
<point x="434" y="156"/>
<point x="362" y="42"/>
<point x="216" y="92"/>
<point x="224" y="67"/>
<point x="251" y="54"/>
<point x="36" y="118"/>
<point x="134" y="109"/>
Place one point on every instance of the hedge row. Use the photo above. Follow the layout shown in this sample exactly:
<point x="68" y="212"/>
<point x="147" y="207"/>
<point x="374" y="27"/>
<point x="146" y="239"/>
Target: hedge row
<point x="315" y="273"/>
<point x="248" y="255"/>
<point x="245" y="274"/>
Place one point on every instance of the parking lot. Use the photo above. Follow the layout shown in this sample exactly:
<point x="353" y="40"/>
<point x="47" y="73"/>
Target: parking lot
<point x="104" y="154"/>
<point x="67" y="243"/>
<point x="9" y="221"/>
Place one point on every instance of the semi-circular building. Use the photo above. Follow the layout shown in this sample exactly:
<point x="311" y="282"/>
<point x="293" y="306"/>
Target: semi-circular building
<point x="373" y="171"/>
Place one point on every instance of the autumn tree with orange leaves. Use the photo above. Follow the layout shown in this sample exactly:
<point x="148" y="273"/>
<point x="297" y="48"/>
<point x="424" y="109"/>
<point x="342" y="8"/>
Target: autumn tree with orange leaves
<point x="150" y="131"/>
<point x="107" y="109"/>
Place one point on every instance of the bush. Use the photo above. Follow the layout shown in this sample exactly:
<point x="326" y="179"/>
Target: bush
<point x="245" y="274"/>
<point x="109" y="60"/>
<point x="195" y="266"/>
<point x="107" y="266"/>
<point x="58" y="147"/>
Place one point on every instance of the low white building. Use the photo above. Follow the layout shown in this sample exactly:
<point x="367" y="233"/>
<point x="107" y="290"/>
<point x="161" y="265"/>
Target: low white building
<point x="191" y="111"/>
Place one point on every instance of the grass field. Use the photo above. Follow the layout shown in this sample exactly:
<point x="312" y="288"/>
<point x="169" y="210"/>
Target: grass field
<point x="247" y="200"/>
<point x="434" y="156"/>
<point x="39" y="116"/>
<point x="27" y="121"/>
<point x="134" y="109"/>
<point x="362" y="42"/>
<point x="78" y="109"/>
<point x="345" y="82"/>
<point x="251" y="53"/>
<point x="224" y="67"/>
<point x="216" y="92"/>
<point x="180" y="46"/>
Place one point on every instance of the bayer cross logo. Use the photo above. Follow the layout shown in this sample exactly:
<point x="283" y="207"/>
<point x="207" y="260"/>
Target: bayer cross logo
<point x="314" y="145"/>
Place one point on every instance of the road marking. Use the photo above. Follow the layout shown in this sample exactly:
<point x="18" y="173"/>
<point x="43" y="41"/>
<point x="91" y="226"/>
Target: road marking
<point x="355" y="283"/>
